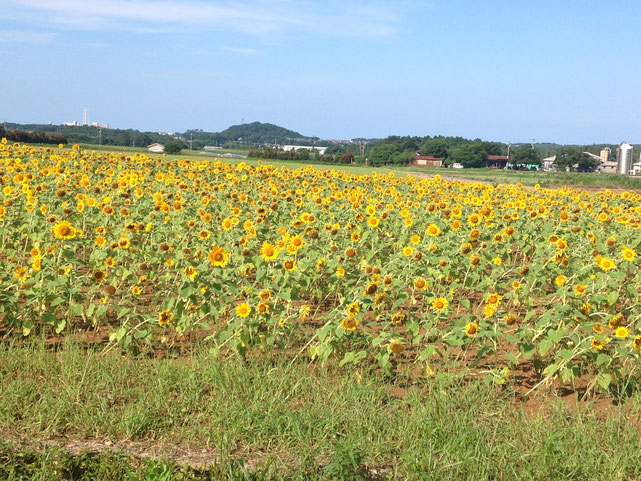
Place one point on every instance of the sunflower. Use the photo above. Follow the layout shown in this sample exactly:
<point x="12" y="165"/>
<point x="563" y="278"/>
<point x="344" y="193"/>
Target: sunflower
<point x="408" y="251"/>
<point x="191" y="272"/>
<point x="373" y="222"/>
<point x="560" y="280"/>
<point x="371" y="289"/>
<point x="606" y="264"/>
<point x="218" y="256"/>
<point x="268" y="252"/>
<point x="265" y="295"/>
<point x="165" y="317"/>
<point x="489" y="310"/>
<point x="397" y="318"/>
<point x="396" y="347"/>
<point x="580" y="289"/>
<point x="628" y="254"/>
<point x="290" y="265"/>
<point x="353" y="309"/>
<point x="471" y="329"/>
<point x="596" y="344"/>
<point x="494" y="299"/>
<point x="420" y="284"/>
<point x="433" y="230"/>
<point x="262" y="308"/>
<point x="474" y="220"/>
<point x="622" y="332"/>
<point x="63" y="230"/>
<point x="349" y="323"/>
<point x="636" y="343"/>
<point x="99" y="275"/>
<point x="243" y="310"/>
<point x="510" y="320"/>
<point x="440" y="304"/>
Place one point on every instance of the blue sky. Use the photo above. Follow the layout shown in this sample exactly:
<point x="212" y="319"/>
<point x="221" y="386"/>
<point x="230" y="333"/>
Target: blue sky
<point x="560" y="71"/>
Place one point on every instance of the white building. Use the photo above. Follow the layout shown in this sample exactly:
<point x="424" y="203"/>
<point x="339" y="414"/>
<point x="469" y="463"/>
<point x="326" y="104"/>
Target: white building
<point x="548" y="163"/>
<point x="156" y="147"/>
<point x="287" y="148"/>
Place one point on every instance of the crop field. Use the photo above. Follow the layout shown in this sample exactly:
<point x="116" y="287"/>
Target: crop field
<point x="506" y="288"/>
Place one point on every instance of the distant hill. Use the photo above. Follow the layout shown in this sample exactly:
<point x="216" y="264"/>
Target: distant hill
<point x="255" y="134"/>
<point x="262" y="133"/>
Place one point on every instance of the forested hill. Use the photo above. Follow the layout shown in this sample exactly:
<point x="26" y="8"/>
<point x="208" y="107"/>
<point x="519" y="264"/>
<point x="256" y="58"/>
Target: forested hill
<point x="250" y="135"/>
<point x="262" y="133"/>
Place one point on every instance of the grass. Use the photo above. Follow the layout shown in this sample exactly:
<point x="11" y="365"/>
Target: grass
<point x="545" y="179"/>
<point x="277" y="419"/>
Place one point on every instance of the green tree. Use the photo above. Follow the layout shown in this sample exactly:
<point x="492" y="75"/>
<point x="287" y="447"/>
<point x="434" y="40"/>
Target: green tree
<point x="173" y="147"/>
<point x="526" y="155"/>
<point x="574" y="159"/>
<point x="436" y="147"/>
<point x="474" y="154"/>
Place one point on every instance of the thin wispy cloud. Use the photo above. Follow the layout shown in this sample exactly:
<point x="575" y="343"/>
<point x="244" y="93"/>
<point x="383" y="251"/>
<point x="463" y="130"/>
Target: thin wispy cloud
<point x="25" y="36"/>
<point x="255" y="17"/>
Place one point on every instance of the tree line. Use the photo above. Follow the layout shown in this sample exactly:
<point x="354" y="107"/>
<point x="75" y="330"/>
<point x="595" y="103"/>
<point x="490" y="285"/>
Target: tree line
<point x="303" y="155"/>
<point x="36" y="137"/>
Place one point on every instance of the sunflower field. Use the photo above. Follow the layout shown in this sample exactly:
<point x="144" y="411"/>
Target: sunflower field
<point x="377" y="269"/>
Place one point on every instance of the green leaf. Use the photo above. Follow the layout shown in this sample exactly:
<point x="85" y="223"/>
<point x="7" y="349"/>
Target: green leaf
<point x="454" y="341"/>
<point x="566" y="354"/>
<point x="544" y="346"/>
<point x="511" y="358"/>
<point x="428" y="352"/>
<point x="528" y="350"/>
<point x="57" y="301"/>
<point x="566" y="374"/>
<point x="604" y="380"/>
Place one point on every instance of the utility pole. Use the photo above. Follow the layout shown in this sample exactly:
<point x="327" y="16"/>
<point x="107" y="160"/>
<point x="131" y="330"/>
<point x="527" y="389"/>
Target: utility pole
<point x="99" y="136"/>
<point x="191" y="140"/>
<point x="509" y="144"/>
<point x="532" y="139"/>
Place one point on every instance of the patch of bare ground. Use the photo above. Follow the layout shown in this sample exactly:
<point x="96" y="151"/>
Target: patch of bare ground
<point x="196" y="458"/>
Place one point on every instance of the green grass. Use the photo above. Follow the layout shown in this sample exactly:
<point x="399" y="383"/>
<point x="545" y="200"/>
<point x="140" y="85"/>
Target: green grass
<point x="300" y="421"/>
<point x="544" y="179"/>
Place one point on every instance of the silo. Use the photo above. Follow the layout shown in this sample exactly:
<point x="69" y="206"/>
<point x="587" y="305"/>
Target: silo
<point x="624" y="158"/>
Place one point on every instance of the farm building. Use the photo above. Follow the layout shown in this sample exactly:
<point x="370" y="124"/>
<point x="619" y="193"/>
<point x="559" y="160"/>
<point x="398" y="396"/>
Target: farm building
<point x="497" y="161"/>
<point x="156" y="147"/>
<point x="427" y="161"/>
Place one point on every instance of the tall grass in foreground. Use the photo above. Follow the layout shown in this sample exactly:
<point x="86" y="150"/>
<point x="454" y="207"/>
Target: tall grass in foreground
<point x="285" y="420"/>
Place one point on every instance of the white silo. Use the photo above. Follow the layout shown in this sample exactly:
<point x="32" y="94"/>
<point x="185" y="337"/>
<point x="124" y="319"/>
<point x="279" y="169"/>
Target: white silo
<point x="624" y="158"/>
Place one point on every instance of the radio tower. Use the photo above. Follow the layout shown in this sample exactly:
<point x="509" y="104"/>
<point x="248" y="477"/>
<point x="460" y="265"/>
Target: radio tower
<point x="85" y="120"/>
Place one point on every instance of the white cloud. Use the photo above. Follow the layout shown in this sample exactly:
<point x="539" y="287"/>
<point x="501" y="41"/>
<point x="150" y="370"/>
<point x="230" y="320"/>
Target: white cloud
<point x="25" y="36"/>
<point x="240" y="50"/>
<point x="256" y="17"/>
